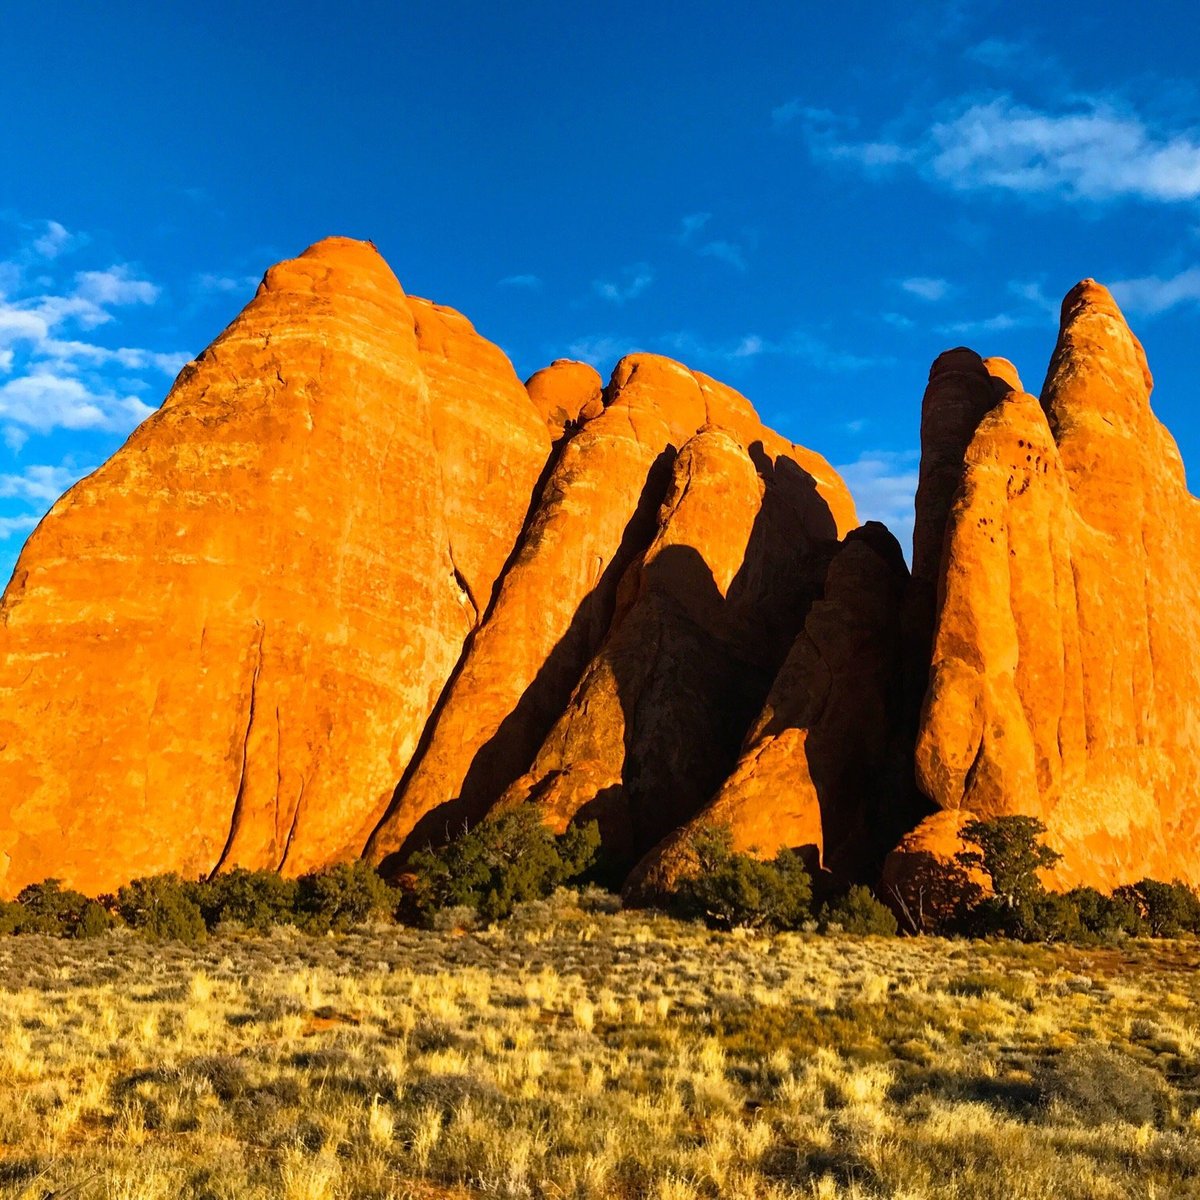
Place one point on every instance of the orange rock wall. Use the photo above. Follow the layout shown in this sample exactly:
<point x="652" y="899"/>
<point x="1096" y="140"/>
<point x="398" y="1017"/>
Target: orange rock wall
<point x="1065" y="680"/>
<point x="223" y="645"/>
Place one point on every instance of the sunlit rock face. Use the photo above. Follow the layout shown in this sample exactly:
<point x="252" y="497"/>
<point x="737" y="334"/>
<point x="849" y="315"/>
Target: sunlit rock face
<point x="222" y="647"/>
<point x="355" y="587"/>
<point x="1065" y="672"/>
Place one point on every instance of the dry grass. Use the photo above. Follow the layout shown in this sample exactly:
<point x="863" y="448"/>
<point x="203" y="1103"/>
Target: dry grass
<point x="571" y="1054"/>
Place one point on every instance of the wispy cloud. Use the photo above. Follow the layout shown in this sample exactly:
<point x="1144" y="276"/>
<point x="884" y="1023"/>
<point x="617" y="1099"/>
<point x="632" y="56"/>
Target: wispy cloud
<point x="42" y="401"/>
<point x="1032" y="307"/>
<point x="532" y="282"/>
<point x="723" y="249"/>
<point x="925" y="287"/>
<point x="799" y="344"/>
<point x="41" y="484"/>
<point x="54" y="374"/>
<point x="726" y="252"/>
<point x="633" y="282"/>
<point x="55" y="240"/>
<point x="883" y="484"/>
<point x="697" y="350"/>
<point x="20" y="524"/>
<point x="1095" y="150"/>
<point x="1154" y="294"/>
<point x="601" y="350"/>
<point x="224" y="285"/>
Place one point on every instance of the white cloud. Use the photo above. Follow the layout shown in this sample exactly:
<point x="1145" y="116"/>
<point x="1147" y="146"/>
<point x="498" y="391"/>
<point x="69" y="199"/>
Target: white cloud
<point x="53" y="377"/>
<point x="42" y="401"/>
<point x="55" y="241"/>
<point x="20" y="524"/>
<point x="41" y="484"/>
<point x="224" y="284"/>
<point x="1153" y="294"/>
<point x="926" y="288"/>
<point x="601" y="350"/>
<point x="635" y="281"/>
<point x="1034" y="308"/>
<point x="884" y="484"/>
<point x="521" y="281"/>
<point x="732" y="253"/>
<point x="116" y="286"/>
<point x="726" y="252"/>
<point x="1094" y="151"/>
<point x="799" y="344"/>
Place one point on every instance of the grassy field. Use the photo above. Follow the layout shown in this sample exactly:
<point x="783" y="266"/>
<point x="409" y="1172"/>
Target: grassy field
<point x="572" y="1053"/>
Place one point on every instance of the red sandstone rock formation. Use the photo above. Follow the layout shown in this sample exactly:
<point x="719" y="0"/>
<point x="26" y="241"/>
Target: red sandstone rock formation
<point x="704" y="619"/>
<point x="1065" y="673"/>
<point x="821" y="769"/>
<point x="222" y="646"/>
<point x="596" y="514"/>
<point x="354" y="585"/>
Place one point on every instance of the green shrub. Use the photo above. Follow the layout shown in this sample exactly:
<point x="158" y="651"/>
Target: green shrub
<point x="1105" y="917"/>
<point x="162" y="907"/>
<point x="728" y="889"/>
<point x="1009" y="851"/>
<point x="11" y="917"/>
<point x="859" y="912"/>
<point x="47" y="908"/>
<point x="256" y="899"/>
<point x="342" y="896"/>
<point x="504" y="861"/>
<point x="1165" y="909"/>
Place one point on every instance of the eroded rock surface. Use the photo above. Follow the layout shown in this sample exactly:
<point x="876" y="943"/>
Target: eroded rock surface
<point x="1065" y="679"/>
<point x="821" y="769"/>
<point x="222" y="646"/>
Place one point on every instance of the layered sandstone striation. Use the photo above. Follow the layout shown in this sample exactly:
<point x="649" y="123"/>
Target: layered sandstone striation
<point x="222" y="647"/>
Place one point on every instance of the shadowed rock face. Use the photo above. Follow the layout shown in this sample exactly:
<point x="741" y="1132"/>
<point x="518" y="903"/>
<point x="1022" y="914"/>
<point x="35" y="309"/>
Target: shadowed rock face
<point x="821" y="769"/>
<point x="221" y="647"/>
<point x="354" y="586"/>
<point x="703" y="621"/>
<point x="596" y="514"/>
<point x="1065" y="678"/>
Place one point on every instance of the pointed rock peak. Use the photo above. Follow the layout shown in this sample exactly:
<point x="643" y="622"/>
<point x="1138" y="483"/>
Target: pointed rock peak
<point x="1086" y="295"/>
<point x="1004" y="374"/>
<point x="651" y="366"/>
<point x="343" y="249"/>
<point x="333" y="265"/>
<point x="1093" y="330"/>
<point x="876" y="536"/>
<point x="566" y="393"/>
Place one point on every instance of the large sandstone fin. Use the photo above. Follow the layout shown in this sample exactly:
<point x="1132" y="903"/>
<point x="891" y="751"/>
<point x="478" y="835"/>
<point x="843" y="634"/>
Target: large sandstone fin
<point x="703" y="621"/>
<point x="595" y="515"/>
<point x="200" y="663"/>
<point x="821" y="770"/>
<point x="1065" y="679"/>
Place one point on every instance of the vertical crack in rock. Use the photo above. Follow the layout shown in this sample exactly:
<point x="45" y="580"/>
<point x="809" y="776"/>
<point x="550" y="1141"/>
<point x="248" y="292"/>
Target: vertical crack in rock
<point x="235" y="819"/>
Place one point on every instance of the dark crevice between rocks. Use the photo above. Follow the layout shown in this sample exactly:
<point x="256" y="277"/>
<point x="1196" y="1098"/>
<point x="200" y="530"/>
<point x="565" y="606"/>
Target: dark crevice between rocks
<point x="235" y="820"/>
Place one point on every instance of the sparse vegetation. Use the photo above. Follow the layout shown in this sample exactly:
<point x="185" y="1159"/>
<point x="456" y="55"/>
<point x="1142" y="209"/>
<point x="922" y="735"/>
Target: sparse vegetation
<point x="729" y="890"/>
<point x="500" y="863"/>
<point x="569" y="1052"/>
<point x="859" y="912"/>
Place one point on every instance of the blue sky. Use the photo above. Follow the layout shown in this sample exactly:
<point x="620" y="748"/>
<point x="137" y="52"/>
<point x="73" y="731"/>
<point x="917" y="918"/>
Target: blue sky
<point x="809" y="204"/>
